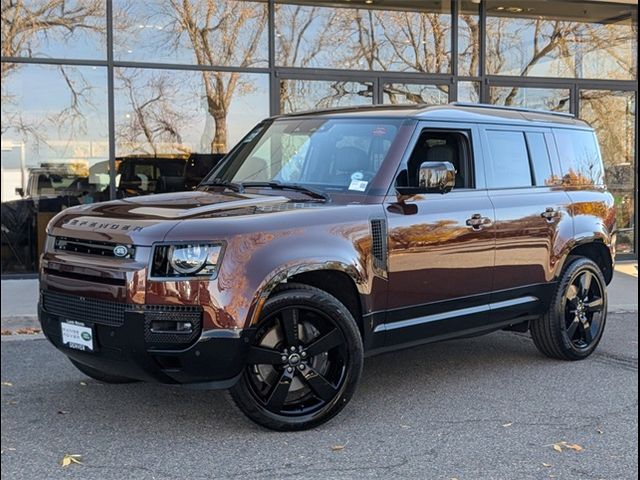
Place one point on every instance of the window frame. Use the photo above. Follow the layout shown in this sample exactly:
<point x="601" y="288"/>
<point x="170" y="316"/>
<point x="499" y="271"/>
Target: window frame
<point x="473" y="145"/>
<point x="554" y="162"/>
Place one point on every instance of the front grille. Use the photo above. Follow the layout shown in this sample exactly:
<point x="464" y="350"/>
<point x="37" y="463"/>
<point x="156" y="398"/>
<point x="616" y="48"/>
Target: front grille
<point x="112" y="314"/>
<point x="81" y="309"/>
<point x="93" y="247"/>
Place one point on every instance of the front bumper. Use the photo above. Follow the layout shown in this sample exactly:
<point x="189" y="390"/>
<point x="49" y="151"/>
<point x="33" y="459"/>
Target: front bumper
<point x="125" y="346"/>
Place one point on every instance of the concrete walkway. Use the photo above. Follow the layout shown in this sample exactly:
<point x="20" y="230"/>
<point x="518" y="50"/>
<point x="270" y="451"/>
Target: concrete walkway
<point x="20" y="298"/>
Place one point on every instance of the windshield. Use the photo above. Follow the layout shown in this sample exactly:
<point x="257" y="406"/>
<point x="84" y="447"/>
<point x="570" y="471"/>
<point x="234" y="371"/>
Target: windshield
<point x="324" y="154"/>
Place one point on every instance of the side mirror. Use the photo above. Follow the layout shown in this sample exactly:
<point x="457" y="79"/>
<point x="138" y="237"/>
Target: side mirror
<point x="20" y="191"/>
<point x="436" y="177"/>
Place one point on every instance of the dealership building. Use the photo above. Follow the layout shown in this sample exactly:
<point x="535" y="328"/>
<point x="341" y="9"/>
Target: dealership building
<point x="109" y="98"/>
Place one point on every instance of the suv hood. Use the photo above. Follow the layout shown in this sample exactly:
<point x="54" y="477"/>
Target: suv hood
<point x="148" y="219"/>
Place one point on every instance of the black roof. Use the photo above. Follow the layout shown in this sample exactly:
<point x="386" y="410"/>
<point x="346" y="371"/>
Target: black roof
<point x="457" y="112"/>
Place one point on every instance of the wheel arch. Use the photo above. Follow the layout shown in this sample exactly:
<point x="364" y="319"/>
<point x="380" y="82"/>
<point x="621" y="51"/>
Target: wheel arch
<point x="594" y="249"/>
<point x="340" y="280"/>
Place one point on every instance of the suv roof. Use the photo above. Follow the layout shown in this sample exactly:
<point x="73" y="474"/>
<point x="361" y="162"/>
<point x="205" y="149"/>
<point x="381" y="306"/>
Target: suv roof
<point x="461" y="112"/>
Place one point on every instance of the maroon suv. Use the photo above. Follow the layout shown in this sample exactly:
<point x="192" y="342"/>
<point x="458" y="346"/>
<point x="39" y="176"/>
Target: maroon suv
<point x="325" y="237"/>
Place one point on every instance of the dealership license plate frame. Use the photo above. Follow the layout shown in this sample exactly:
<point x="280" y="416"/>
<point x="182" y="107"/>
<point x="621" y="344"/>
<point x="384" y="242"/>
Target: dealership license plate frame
<point x="74" y="336"/>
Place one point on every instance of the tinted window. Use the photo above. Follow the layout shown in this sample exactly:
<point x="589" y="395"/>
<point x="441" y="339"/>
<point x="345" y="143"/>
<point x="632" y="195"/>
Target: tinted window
<point x="579" y="157"/>
<point x="540" y="159"/>
<point x="439" y="146"/>
<point x="508" y="166"/>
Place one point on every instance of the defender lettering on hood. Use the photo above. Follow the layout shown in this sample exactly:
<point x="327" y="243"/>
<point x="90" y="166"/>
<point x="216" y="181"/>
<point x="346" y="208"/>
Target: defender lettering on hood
<point x="93" y="225"/>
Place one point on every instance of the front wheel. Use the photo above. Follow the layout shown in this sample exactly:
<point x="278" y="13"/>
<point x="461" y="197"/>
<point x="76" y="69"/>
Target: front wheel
<point x="304" y="363"/>
<point x="573" y="326"/>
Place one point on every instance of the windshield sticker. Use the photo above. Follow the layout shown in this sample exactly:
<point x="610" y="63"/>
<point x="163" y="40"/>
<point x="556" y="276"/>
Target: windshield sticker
<point x="357" y="176"/>
<point x="379" y="132"/>
<point x="358" y="185"/>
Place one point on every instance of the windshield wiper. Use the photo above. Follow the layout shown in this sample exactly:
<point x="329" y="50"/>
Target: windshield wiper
<point x="236" y="187"/>
<point x="290" y="186"/>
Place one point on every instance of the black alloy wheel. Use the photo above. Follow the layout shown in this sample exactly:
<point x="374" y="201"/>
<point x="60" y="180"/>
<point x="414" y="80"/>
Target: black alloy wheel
<point x="304" y="362"/>
<point x="584" y="309"/>
<point x="573" y="326"/>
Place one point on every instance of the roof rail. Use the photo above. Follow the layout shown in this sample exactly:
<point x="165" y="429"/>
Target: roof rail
<point x="515" y="109"/>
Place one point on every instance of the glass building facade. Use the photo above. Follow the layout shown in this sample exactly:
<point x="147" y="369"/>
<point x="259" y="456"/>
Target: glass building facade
<point x="109" y="98"/>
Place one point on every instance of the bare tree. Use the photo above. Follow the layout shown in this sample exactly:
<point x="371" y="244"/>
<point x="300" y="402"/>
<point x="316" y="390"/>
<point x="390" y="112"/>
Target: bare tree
<point x="153" y="120"/>
<point x="401" y="41"/>
<point x="220" y="33"/>
<point x="26" y="26"/>
<point x="303" y="34"/>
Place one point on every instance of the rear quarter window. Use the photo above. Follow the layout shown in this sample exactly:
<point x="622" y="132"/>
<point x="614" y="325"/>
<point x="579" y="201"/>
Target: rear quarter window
<point x="540" y="159"/>
<point x="579" y="157"/>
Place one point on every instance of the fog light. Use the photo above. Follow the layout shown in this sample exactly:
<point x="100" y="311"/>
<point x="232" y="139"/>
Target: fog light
<point x="184" y="327"/>
<point x="163" y="326"/>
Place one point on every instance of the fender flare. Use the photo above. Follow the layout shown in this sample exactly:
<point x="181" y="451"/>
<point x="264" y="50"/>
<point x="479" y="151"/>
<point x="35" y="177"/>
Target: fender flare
<point x="281" y="275"/>
<point x="578" y="241"/>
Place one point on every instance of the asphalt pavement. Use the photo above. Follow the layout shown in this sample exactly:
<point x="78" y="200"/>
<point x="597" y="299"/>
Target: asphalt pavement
<point x="483" y="408"/>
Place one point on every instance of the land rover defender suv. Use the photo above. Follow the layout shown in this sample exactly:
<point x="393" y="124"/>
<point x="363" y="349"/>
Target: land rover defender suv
<point x="329" y="236"/>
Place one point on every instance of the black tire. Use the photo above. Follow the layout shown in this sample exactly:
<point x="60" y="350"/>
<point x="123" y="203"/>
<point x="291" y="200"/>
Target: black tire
<point x="574" y="324"/>
<point x="304" y="363"/>
<point x="101" y="376"/>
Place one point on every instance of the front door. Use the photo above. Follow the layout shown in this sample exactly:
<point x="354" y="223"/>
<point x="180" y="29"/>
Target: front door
<point x="441" y="246"/>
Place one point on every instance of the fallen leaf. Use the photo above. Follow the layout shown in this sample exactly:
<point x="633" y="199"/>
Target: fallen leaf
<point x="28" y="331"/>
<point x="5" y="332"/>
<point x="84" y="384"/>
<point x="575" y="447"/>
<point x="8" y="449"/>
<point x="337" y="448"/>
<point x="599" y="431"/>
<point x="12" y="402"/>
<point x="561" y="446"/>
<point x="62" y="412"/>
<point x="69" y="459"/>
<point x="7" y="384"/>
<point x="548" y="465"/>
<point x="507" y="424"/>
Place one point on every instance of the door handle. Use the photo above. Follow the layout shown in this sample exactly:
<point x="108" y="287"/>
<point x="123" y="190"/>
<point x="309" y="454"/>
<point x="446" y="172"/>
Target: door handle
<point x="550" y="214"/>
<point x="478" y="222"/>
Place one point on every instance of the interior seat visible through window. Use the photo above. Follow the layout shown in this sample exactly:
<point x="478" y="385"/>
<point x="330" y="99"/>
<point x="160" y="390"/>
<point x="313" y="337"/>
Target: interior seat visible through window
<point x="434" y="146"/>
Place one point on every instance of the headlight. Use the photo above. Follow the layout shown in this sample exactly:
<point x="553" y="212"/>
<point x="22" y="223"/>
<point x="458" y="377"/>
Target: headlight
<point x="186" y="260"/>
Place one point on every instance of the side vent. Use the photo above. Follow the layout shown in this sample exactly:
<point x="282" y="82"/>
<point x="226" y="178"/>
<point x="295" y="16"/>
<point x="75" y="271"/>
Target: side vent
<point x="379" y="244"/>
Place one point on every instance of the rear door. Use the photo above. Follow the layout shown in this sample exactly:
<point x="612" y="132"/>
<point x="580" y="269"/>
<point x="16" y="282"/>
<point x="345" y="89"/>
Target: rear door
<point x="531" y="216"/>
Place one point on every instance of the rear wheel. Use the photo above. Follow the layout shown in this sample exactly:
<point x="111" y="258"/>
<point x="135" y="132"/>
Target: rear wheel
<point x="101" y="376"/>
<point x="574" y="324"/>
<point x="304" y="363"/>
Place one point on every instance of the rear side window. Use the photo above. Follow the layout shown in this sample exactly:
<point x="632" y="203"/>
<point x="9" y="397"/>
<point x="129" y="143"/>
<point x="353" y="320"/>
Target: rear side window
<point x="579" y="157"/>
<point x="508" y="166"/>
<point x="540" y="159"/>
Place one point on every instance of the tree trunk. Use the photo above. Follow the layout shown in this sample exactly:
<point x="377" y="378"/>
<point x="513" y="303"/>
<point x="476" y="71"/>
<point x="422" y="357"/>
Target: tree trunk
<point x="219" y="142"/>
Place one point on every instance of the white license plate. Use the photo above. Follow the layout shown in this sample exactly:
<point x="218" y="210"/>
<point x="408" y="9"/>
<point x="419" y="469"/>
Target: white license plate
<point x="77" y="336"/>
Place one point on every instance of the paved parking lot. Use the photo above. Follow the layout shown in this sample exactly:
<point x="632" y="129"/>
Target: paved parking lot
<point x="482" y="408"/>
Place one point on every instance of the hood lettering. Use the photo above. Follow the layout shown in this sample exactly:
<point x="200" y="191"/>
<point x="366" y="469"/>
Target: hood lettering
<point x="126" y="227"/>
